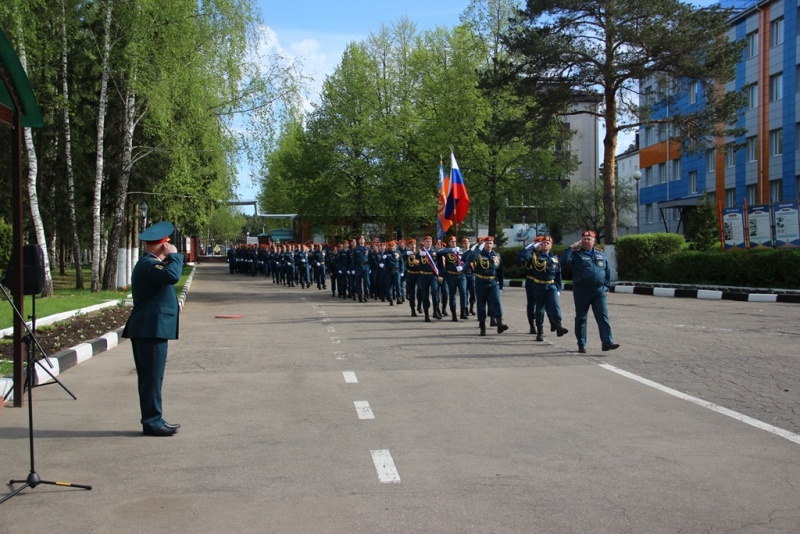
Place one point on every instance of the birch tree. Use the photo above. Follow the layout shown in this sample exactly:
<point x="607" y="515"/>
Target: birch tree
<point x="66" y="110"/>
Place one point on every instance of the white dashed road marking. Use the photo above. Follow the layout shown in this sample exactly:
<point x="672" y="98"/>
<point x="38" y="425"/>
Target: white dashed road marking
<point x="384" y="465"/>
<point x="350" y="377"/>
<point x="363" y="410"/>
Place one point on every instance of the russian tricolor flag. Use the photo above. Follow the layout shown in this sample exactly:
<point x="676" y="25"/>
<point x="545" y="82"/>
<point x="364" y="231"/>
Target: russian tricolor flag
<point x="458" y="200"/>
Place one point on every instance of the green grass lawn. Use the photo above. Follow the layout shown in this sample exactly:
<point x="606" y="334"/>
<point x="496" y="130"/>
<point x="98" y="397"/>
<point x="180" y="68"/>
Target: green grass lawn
<point x="67" y="298"/>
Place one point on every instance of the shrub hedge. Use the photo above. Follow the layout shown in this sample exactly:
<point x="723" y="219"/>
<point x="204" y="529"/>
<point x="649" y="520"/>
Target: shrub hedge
<point x="667" y="258"/>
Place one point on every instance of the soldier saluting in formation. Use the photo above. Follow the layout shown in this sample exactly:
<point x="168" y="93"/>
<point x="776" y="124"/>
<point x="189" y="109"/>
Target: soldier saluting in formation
<point x="488" y="269"/>
<point x="543" y="283"/>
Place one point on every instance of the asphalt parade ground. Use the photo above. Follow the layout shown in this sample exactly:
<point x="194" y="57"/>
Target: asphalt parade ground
<point x="303" y="413"/>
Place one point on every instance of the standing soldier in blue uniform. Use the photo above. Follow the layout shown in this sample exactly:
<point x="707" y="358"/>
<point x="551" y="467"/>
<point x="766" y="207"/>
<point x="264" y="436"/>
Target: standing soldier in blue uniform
<point x="543" y="271"/>
<point x="301" y="260"/>
<point x="345" y="259"/>
<point x="488" y="269"/>
<point x="401" y="250"/>
<point x="318" y="265"/>
<point x="426" y="262"/>
<point x="392" y="263"/>
<point x="332" y="260"/>
<point x="455" y="278"/>
<point x="412" y="274"/>
<point x="469" y="276"/>
<point x="591" y="278"/>
<point x="525" y="259"/>
<point x="361" y="270"/>
<point x="154" y="321"/>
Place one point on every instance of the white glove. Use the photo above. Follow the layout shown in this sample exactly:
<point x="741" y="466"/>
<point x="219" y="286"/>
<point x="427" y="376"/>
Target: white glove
<point x="459" y="268"/>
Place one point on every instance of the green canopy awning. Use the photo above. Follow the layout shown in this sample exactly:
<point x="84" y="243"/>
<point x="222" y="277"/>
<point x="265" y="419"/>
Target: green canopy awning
<point x="16" y="94"/>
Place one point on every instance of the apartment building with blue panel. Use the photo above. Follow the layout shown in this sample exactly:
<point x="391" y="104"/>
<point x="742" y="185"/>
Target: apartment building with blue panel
<point x="764" y="168"/>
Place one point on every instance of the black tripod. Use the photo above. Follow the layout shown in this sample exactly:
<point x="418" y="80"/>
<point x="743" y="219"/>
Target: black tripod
<point x="33" y="479"/>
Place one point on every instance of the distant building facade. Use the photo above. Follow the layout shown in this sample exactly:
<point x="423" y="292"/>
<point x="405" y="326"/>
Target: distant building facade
<point x="764" y="170"/>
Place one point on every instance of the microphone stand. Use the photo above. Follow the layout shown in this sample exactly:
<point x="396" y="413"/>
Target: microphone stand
<point x="33" y="479"/>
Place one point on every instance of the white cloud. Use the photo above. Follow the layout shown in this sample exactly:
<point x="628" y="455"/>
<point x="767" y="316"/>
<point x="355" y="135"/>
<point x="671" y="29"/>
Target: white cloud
<point x="317" y="55"/>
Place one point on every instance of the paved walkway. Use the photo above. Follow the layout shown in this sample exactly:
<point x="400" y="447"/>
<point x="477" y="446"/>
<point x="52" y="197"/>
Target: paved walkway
<point x="311" y="414"/>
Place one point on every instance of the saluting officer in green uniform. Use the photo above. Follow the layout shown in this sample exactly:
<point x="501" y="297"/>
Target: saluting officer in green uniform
<point x="154" y="321"/>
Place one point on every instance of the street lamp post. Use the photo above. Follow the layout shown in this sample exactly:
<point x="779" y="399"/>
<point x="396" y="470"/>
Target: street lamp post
<point x="637" y="175"/>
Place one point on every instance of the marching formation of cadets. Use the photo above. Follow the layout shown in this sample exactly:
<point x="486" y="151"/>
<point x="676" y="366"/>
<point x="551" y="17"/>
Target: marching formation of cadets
<point x="448" y="279"/>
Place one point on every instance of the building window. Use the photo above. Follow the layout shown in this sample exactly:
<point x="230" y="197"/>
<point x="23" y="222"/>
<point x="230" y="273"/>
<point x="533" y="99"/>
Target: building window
<point x="797" y="75"/>
<point x="648" y="176"/>
<point x="647" y="96"/>
<point x="648" y="213"/>
<point x="752" y="45"/>
<point x="662" y="173"/>
<point x="751" y="194"/>
<point x="730" y="158"/>
<point x="692" y="182"/>
<point x="776" y="142"/>
<point x="776" y="87"/>
<point x="752" y="96"/>
<point x="752" y="149"/>
<point x="730" y="198"/>
<point x="776" y="32"/>
<point x="711" y="160"/>
<point x="693" y="91"/>
<point x="776" y="191"/>
<point x="676" y="170"/>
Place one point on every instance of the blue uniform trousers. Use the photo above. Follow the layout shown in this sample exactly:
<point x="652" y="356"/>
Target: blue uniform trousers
<point x="426" y="285"/>
<point x="488" y="292"/>
<point x="393" y="286"/>
<point x="150" y="357"/>
<point x="361" y="282"/>
<point x="411" y="289"/>
<point x="456" y="282"/>
<point x="547" y="301"/>
<point x="470" y="280"/>
<point x="594" y="297"/>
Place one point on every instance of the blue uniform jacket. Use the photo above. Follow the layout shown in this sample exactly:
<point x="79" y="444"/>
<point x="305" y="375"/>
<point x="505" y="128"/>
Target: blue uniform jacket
<point x="155" y="305"/>
<point x="589" y="268"/>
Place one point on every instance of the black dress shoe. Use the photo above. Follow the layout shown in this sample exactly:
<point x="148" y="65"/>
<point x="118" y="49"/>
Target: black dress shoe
<point x="582" y="350"/>
<point x="176" y="426"/>
<point x="610" y="346"/>
<point x="160" y="431"/>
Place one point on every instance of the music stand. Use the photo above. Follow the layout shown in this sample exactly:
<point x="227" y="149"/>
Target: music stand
<point x="33" y="479"/>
